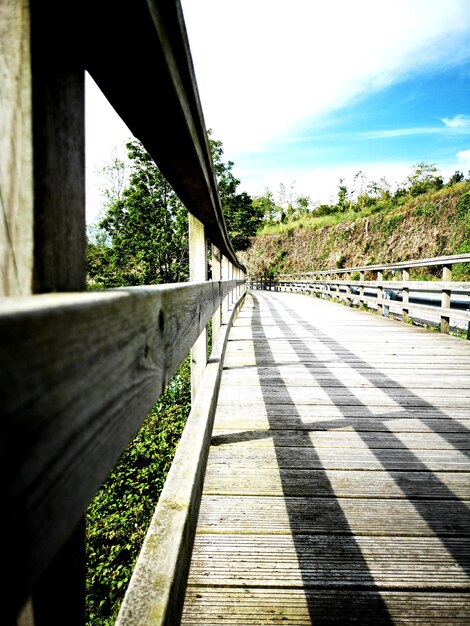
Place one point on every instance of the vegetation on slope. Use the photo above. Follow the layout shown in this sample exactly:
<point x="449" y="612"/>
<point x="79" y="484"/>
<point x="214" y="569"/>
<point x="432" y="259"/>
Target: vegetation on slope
<point x="416" y="222"/>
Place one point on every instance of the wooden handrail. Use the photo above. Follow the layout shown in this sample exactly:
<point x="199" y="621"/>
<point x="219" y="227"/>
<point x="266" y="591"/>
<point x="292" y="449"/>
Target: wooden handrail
<point x="382" y="291"/>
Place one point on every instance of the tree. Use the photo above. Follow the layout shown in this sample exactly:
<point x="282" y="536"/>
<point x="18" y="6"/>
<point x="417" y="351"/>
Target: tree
<point x="242" y="217"/>
<point x="343" y="203"/>
<point x="145" y="226"/>
<point x="266" y="206"/>
<point x="425" y="177"/>
<point x="457" y="177"/>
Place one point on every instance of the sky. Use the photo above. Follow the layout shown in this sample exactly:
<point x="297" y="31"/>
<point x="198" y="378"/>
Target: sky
<point x="306" y="92"/>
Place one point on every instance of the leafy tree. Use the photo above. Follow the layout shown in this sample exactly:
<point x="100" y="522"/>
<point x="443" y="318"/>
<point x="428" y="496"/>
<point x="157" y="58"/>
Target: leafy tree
<point x="242" y="217"/>
<point x="265" y="204"/>
<point x="343" y="203"/>
<point x="145" y="228"/>
<point x="425" y="177"/>
<point x="457" y="177"/>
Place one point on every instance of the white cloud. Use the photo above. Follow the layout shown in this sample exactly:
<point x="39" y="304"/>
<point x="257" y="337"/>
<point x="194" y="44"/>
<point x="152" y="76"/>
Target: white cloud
<point x="266" y="66"/>
<point x="458" y="121"/>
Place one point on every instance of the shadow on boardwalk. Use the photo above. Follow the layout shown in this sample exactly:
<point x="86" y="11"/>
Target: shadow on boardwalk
<point x="346" y="586"/>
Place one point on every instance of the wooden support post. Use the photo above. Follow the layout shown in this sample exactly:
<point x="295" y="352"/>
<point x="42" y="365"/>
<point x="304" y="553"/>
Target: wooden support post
<point x="216" y="276"/>
<point x="42" y="226"/>
<point x="445" y="299"/>
<point x="348" y="289"/>
<point x="406" y="296"/>
<point x="197" y="273"/>
<point x="380" y="294"/>
<point x="361" y="288"/>
<point x="225" y="276"/>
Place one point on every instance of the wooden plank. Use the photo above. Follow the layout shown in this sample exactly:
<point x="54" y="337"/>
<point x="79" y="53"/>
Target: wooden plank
<point x="327" y="475"/>
<point x="335" y="561"/>
<point x="234" y="424"/>
<point x="343" y="483"/>
<point x="16" y="148"/>
<point x="351" y="440"/>
<point x="156" y="591"/>
<point x="250" y="606"/>
<point x="61" y="431"/>
<point x="305" y="515"/>
<point x="329" y="458"/>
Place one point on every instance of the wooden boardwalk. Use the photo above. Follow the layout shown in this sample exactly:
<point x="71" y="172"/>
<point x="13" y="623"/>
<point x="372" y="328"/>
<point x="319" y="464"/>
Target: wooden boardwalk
<point x="337" y="488"/>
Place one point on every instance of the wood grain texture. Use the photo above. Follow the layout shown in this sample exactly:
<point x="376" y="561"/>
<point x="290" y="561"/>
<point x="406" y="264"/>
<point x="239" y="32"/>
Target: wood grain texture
<point x="16" y="148"/>
<point x="79" y="374"/>
<point x="337" y="487"/>
<point x="58" y="116"/>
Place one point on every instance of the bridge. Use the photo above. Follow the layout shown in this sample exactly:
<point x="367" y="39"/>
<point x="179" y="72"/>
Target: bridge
<point x="322" y="477"/>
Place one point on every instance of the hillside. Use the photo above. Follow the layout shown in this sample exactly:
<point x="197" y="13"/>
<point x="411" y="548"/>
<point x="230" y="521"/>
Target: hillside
<point x="432" y="224"/>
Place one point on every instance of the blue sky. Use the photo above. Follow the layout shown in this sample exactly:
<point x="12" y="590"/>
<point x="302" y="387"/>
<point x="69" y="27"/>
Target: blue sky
<point x="306" y="92"/>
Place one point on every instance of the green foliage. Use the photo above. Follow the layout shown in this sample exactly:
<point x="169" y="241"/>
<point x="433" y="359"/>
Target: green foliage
<point x="243" y="217"/>
<point x="118" y="516"/>
<point x="424" y="178"/>
<point x="144" y="232"/>
<point x="391" y="224"/>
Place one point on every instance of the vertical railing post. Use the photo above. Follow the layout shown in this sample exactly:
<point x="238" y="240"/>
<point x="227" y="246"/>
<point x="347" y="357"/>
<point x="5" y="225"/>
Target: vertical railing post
<point x="380" y="293"/>
<point x="216" y="276"/>
<point x="42" y="229"/>
<point x="361" y="287"/>
<point x="406" y="296"/>
<point x="348" y="289"/>
<point x="225" y="276"/>
<point x="445" y="298"/>
<point x="197" y="273"/>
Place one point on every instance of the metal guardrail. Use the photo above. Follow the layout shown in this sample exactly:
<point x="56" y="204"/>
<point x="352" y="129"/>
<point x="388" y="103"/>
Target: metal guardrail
<point x="444" y="302"/>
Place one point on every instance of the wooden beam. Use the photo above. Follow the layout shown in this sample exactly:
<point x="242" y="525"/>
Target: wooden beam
<point x="16" y="164"/>
<point x="79" y="374"/>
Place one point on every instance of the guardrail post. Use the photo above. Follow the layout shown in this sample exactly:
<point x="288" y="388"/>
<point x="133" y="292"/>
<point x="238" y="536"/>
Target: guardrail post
<point x="361" y="287"/>
<point x="216" y="276"/>
<point x="445" y="299"/>
<point x="197" y="273"/>
<point x="225" y="276"/>
<point x="348" y="289"/>
<point x="406" y="296"/>
<point x="380" y="293"/>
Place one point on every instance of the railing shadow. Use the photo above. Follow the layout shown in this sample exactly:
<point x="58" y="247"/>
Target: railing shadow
<point x="315" y="552"/>
<point x="347" y="585"/>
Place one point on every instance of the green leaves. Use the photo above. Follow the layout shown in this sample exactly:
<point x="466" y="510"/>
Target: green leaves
<point x="146" y="228"/>
<point x="119" y="515"/>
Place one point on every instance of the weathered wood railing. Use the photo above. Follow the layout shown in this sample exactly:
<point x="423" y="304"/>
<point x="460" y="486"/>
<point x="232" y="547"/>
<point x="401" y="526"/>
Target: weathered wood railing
<point x="80" y="371"/>
<point x="370" y="285"/>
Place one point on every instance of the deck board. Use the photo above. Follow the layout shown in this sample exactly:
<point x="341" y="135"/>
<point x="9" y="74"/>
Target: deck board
<point x="337" y="489"/>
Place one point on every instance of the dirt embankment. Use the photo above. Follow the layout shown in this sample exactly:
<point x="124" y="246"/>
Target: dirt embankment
<point x="431" y="225"/>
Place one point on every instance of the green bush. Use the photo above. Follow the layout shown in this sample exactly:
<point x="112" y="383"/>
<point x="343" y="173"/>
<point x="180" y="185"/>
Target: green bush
<point x="119" y="515"/>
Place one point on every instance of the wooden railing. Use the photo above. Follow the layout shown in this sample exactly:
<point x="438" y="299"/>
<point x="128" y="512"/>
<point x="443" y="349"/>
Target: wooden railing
<point x="80" y="371"/>
<point x="388" y="289"/>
